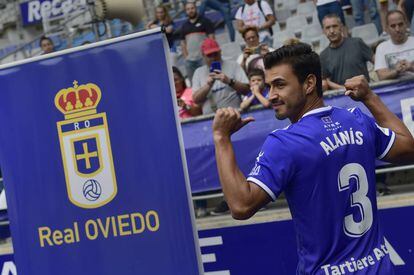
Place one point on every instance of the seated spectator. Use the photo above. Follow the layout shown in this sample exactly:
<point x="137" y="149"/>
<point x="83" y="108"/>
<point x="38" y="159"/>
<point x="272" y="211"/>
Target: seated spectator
<point x="192" y="33"/>
<point x="259" y="92"/>
<point x="220" y="83"/>
<point x="258" y="14"/>
<point x="186" y="106"/>
<point x="253" y="48"/>
<point x="224" y="7"/>
<point x="46" y="44"/>
<point x="394" y="58"/>
<point x="345" y="57"/>
<point x="162" y="19"/>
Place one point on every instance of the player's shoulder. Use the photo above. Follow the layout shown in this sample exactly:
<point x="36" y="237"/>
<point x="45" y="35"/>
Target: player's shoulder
<point x="351" y="113"/>
<point x="280" y="132"/>
<point x="279" y="143"/>
<point x="280" y="136"/>
<point x="354" y="111"/>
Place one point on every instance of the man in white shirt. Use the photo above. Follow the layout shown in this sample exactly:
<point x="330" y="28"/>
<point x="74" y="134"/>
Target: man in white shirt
<point x="259" y="14"/>
<point x="394" y="58"/>
<point x="218" y="88"/>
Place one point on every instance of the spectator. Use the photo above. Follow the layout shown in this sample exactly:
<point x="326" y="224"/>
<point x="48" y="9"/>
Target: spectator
<point x="358" y="11"/>
<point x="253" y="48"/>
<point x="192" y="33"/>
<point x="163" y="20"/>
<point x="394" y="58"/>
<point x="325" y="7"/>
<point x="186" y="106"/>
<point x="345" y="57"/>
<point x="218" y="88"/>
<point x="259" y="14"/>
<point x="224" y="7"/>
<point x="46" y="44"/>
<point x="259" y="92"/>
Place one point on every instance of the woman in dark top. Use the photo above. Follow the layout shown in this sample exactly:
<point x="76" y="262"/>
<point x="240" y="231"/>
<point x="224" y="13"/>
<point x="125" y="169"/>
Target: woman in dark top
<point x="163" y="19"/>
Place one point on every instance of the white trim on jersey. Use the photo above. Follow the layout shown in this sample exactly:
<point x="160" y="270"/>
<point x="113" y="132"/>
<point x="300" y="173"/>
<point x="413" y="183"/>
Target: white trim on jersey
<point x="388" y="146"/>
<point x="263" y="186"/>
<point x="319" y="110"/>
<point x="282" y="128"/>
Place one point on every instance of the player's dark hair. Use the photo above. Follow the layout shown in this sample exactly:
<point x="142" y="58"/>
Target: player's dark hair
<point x="303" y="60"/>
<point x="256" y="72"/>
<point x="180" y="75"/>
<point x="391" y="12"/>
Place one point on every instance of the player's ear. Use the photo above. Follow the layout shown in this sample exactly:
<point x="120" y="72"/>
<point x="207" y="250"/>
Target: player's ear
<point x="310" y="84"/>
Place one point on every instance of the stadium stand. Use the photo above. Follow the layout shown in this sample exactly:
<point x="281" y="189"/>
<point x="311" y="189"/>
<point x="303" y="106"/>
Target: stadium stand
<point x="367" y="32"/>
<point x="294" y="19"/>
<point x="230" y="50"/>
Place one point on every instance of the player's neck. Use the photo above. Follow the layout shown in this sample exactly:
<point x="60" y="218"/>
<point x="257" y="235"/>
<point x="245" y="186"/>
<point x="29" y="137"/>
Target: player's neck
<point x="313" y="104"/>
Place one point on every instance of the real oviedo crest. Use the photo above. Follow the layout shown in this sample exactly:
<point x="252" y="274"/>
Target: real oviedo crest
<point x="85" y="147"/>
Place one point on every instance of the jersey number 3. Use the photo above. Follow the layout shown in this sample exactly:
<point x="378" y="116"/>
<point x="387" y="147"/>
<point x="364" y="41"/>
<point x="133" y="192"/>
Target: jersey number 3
<point x="355" y="172"/>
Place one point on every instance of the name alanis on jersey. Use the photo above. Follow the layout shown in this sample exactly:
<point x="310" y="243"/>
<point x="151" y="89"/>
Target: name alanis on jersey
<point x="341" y="139"/>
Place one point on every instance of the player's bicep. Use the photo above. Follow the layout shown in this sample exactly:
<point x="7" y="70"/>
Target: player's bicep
<point x="401" y="151"/>
<point x="261" y="196"/>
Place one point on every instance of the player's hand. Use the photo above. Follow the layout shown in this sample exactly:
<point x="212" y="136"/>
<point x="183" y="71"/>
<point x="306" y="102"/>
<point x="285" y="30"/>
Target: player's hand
<point x="358" y="89"/>
<point x="228" y="121"/>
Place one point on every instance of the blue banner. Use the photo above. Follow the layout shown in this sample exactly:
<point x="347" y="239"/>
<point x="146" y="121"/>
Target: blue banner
<point x="270" y="248"/>
<point x="199" y="145"/>
<point x="35" y="10"/>
<point x="94" y="185"/>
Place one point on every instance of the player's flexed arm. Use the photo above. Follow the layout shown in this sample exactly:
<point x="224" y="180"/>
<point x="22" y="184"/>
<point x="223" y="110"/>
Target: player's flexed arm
<point x="244" y="198"/>
<point x="403" y="149"/>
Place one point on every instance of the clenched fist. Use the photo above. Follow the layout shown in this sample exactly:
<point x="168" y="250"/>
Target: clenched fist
<point x="358" y="89"/>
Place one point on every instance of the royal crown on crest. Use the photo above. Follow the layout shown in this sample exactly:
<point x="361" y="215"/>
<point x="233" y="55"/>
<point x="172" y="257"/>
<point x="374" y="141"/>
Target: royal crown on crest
<point x="79" y="100"/>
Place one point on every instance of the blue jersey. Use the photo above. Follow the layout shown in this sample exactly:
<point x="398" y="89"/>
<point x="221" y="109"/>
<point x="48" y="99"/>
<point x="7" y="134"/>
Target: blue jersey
<point x="325" y="164"/>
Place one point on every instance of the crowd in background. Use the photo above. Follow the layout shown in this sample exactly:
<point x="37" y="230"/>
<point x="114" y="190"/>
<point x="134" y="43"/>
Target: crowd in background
<point x="208" y="82"/>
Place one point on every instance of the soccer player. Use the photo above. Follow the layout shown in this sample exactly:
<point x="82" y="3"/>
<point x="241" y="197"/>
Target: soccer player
<point x="324" y="162"/>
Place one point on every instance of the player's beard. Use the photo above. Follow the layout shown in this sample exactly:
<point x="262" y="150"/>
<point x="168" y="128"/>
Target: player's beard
<point x="279" y="114"/>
